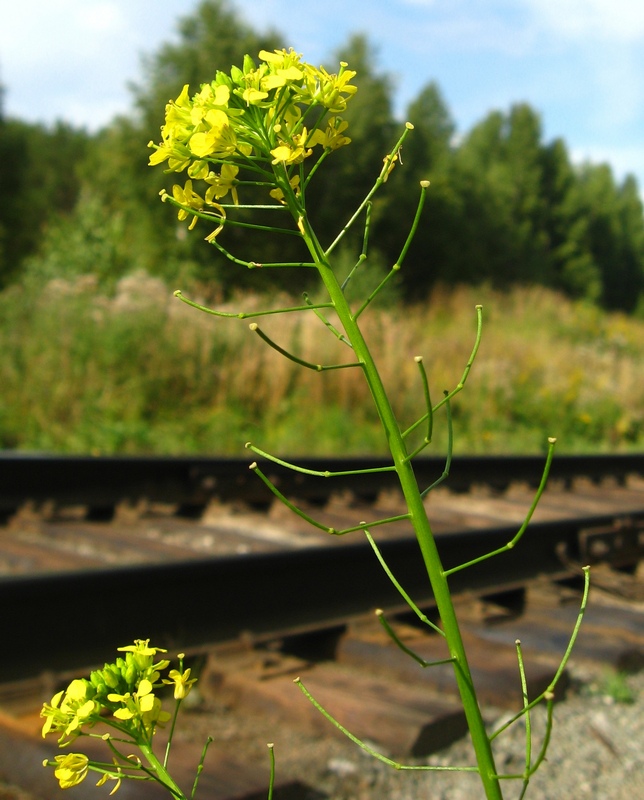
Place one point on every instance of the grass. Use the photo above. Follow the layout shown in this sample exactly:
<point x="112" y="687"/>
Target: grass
<point x="137" y="371"/>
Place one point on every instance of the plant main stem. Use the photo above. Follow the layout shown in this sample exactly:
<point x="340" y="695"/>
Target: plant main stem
<point x="418" y="516"/>
<point x="159" y="771"/>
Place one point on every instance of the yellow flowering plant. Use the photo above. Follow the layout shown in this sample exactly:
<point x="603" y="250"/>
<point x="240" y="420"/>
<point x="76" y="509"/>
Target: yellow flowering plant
<point x="120" y="701"/>
<point x="272" y="125"/>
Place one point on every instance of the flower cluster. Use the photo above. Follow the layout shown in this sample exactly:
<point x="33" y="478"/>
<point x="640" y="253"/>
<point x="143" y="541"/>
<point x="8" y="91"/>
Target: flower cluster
<point x="257" y="118"/>
<point x="123" y="689"/>
<point x="121" y="696"/>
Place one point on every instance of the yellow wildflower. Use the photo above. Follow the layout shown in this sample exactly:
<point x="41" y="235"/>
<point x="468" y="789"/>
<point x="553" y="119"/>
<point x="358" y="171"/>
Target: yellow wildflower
<point x="221" y="184"/>
<point x="186" y="197"/>
<point x="250" y="119"/>
<point x="332" y="138"/>
<point x="220" y="227"/>
<point x="142" y="708"/>
<point x="253" y="96"/>
<point x="71" y="769"/>
<point x="182" y="682"/>
<point x="218" y="141"/>
<point x="278" y="194"/>
<point x="293" y="152"/>
<point x="331" y="91"/>
<point x="111" y="776"/>
<point x="69" y="710"/>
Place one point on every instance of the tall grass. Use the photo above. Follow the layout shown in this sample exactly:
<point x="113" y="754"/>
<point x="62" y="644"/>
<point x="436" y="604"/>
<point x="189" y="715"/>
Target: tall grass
<point x="138" y="371"/>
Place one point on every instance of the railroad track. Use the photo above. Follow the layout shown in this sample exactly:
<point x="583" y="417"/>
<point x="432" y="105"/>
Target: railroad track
<point x="194" y="553"/>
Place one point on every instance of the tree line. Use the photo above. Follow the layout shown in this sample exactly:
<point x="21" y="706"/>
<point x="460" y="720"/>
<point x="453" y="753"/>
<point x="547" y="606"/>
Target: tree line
<point x="505" y="207"/>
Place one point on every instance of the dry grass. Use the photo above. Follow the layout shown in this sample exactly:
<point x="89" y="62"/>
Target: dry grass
<point x="141" y="372"/>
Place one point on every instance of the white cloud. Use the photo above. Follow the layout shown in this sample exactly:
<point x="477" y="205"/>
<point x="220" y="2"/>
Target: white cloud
<point x="40" y="33"/>
<point x="621" y="20"/>
<point x="101" y="17"/>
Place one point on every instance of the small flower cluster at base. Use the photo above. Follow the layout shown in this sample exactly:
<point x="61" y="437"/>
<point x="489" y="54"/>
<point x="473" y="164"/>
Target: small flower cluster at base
<point x="121" y="696"/>
<point x="123" y="688"/>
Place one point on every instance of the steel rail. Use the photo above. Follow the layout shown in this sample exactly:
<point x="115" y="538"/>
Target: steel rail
<point x="60" y="621"/>
<point x="102" y="482"/>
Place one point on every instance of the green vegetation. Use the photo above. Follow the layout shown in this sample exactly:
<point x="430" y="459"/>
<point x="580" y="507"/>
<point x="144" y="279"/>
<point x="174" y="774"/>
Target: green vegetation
<point x="614" y="686"/>
<point x="250" y="129"/>
<point x="135" y="370"/>
<point x="505" y="207"/>
<point x="81" y="225"/>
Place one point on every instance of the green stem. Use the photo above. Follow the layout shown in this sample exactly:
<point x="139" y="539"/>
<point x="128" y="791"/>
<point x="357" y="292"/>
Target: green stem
<point x="271" y="781"/>
<point x="417" y="512"/>
<point x="159" y="772"/>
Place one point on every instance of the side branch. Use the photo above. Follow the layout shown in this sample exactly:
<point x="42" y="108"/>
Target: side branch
<point x="317" y="367"/>
<point x="223" y="220"/>
<point x="314" y="472"/>
<point x="407" y="650"/>
<point x="378" y="289"/>
<point x="243" y="314"/>
<point x="256" y="264"/>
<point x="450" y="448"/>
<point x="422" y="617"/>
<point x="526" y="522"/>
<point x="428" y="399"/>
<point x="370" y="750"/>
<point x="390" y="160"/>
<point x="424" y="185"/>
<point x="321" y="526"/>
<point x="548" y="694"/>
<point x="365" y="247"/>
<point x="461" y="384"/>
<point x="338" y="334"/>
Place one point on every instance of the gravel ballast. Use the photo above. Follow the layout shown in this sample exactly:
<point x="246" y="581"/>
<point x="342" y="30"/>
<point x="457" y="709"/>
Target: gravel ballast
<point x="596" y="751"/>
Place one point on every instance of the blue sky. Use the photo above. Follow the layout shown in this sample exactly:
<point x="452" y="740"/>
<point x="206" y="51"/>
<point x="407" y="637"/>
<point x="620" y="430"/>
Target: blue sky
<point x="580" y="63"/>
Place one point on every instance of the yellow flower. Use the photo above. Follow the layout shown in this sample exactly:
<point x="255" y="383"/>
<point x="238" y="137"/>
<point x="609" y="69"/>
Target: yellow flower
<point x="186" y="197"/>
<point x="178" y="156"/>
<point x="293" y="152"/>
<point x="141" y="649"/>
<point x="332" y="138"/>
<point x="139" y="657"/>
<point x="218" y="141"/>
<point x="111" y="776"/>
<point x="281" y="77"/>
<point x="249" y="118"/>
<point x="142" y="707"/>
<point x="221" y="184"/>
<point x="71" y="770"/>
<point x="69" y="710"/>
<point x="283" y="62"/>
<point x="210" y="96"/>
<point x="278" y="194"/>
<point x="199" y="170"/>
<point x="253" y="96"/>
<point x="222" y="213"/>
<point x="52" y="713"/>
<point x="389" y="164"/>
<point x="176" y="130"/>
<point x="330" y="90"/>
<point x="283" y="153"/>
<point x="182" y="683"/>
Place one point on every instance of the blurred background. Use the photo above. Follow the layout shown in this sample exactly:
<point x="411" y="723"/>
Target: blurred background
<point x="528" y="120"/>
